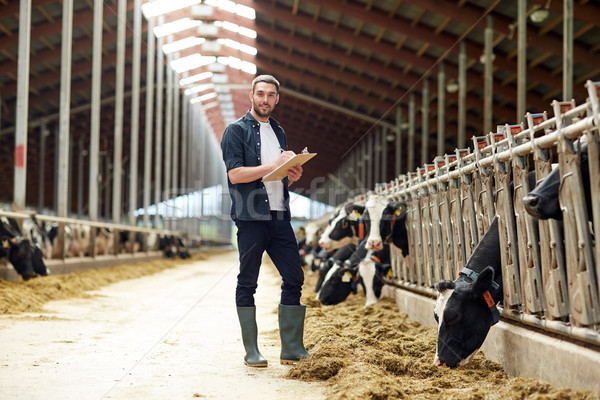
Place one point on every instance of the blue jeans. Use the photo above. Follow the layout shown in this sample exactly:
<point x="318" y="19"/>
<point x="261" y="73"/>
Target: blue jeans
<point x="276" y="237"/>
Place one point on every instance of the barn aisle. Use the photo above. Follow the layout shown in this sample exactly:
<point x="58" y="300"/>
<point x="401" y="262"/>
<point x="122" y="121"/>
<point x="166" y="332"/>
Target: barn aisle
<point x="172" y="335"/>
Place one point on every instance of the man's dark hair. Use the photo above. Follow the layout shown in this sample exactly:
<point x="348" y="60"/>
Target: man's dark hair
<point x="267" y="79"/>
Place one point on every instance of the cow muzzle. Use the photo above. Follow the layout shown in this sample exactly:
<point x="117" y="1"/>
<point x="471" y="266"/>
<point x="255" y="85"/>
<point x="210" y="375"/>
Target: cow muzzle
<point x="375" y="245"/>
<point x="532" y="204"/>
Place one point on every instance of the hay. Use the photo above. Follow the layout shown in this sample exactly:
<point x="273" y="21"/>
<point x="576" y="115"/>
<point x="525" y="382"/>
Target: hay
<point x="378" y="353"/>
<point x="31" y="295"/>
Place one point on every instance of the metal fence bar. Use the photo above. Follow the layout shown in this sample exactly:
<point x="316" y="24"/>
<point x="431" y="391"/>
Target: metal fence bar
<point x="452" y="202"/>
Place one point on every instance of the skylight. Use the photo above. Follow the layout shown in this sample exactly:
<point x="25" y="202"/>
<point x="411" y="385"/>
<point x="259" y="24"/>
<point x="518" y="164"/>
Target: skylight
<point x="232" y="7"/>
<point x="195" y="78"/>
<point x="176" y="26"/>
<point x="182" y="44"/>
<point x="190" y="62"/>
<point x="160" y="7"/>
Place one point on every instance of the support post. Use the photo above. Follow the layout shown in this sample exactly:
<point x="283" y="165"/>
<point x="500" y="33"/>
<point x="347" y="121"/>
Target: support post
<point x="20" y="174"/>
<point x="441" y="117"/>
<point x="521" y="60"/>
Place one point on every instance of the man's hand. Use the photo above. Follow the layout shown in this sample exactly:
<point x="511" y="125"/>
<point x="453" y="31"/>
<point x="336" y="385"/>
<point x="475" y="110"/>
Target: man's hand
<point x="283" y="157"/>
<point x="294" y="173"/>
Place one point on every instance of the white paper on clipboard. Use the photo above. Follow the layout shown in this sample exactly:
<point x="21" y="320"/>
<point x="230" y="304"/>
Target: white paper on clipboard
<point x="281" y="171"/>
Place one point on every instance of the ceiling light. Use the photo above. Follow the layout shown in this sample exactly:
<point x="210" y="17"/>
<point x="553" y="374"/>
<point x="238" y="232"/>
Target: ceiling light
<point x="539" y="15"/>
<point x="207" y="96"/>
<point x="190" y="62"/>
<point x="195" y="78"/>
<point x="200" y="88"/>
<point x="182" y="44"/>
<point x="175" y="26"/>
<point x="166" y="6"/>
<point x="452" y="86"/>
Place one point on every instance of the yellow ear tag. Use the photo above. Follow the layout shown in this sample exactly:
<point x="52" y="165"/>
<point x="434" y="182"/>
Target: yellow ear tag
<point x="398" y="211"/>
<point x="347" y="277"/>
<point x="354" y="216"/>
<point x="390" y="274"/>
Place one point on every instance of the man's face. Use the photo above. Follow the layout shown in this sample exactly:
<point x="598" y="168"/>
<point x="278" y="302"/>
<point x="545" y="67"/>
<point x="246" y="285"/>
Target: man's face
<point x="264" y="98"/>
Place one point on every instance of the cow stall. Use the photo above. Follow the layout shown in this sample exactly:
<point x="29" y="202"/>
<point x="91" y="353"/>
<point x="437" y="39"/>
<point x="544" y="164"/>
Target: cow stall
<point x="550" y="267"/>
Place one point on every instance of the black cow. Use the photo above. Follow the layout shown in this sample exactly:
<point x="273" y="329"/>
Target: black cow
<point x="463" y="310"/>
<point x="543" y="203"/>
<point x="466" y="307"/>
<point x="25" y="258"/>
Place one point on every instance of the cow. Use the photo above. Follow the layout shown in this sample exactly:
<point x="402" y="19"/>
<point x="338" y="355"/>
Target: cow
<point x="70" y="247"/>
<point x="385" y="223"/>
<point x="340" y="255"/>
<point x="368" y="265"/>
<point x="337" y="277"/>
<point x="343" y="274"/>
<point x="342" y="228"/>
<point x="26" y="258"/>
<point x="104" y="242"/>
<point x="38" y="236"/>
<point x="543" y="201"/>
<point x="171" y="246"/>
<point x="466" y="307"/>
<point x="125" y="245"/>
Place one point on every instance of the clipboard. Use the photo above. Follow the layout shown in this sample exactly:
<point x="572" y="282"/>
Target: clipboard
<point x="280" y="173"/>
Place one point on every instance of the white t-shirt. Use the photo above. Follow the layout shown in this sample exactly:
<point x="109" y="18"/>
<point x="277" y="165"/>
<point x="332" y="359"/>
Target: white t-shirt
<point x="270" y="151"/>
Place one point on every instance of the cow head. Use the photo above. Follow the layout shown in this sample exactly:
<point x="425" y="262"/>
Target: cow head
<point x="20" y="255"/>
<point x="542" y="202"/>
<point x="464" y="316"/>
<point x="342" y="227"/>
<point x="341" y="280"/>
<point x="312" y="231"/>
<point x="380" y="218"/>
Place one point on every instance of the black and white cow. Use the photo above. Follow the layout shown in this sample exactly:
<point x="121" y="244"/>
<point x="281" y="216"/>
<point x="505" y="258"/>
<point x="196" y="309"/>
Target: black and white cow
<point x="25" y="257"/>
<point x="38" y="236"/>
<point x="385" y="223"/>
<point x="342" y="228"/>
<point x="370" y="263"/>
<point x="466" y="307"/>
<point x="343" y="274"/>
<point x="338" y="257"/>
<point x="543" y="201"/>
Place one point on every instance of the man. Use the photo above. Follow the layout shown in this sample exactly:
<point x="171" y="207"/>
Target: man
<point x="253" y="146"/>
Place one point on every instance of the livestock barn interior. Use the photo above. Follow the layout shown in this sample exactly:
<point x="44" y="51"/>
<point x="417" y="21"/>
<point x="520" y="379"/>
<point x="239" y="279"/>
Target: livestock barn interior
<point x="112" y="114"/>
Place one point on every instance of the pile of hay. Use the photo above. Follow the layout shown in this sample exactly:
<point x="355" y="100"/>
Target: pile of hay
<point x="378" y="353"/>
<point x="31" y="295"/>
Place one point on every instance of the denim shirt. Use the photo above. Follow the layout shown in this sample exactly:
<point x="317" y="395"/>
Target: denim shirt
<point x="241" y="148"/>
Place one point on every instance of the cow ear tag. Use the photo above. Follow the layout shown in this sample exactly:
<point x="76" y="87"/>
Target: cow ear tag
<point x="347" y="277"/>
<point x="354" y="215"/>
<point x="398" y="210"/>
<point x="390" y="274"/>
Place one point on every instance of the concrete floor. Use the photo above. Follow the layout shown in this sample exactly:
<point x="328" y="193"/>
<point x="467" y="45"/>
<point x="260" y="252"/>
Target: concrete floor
<point x="172" y="335"/>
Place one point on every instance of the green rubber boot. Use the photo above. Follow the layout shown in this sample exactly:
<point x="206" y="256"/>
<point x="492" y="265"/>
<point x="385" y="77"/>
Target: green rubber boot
<point x="247" y="316"/>
<point x="291" y="330"/>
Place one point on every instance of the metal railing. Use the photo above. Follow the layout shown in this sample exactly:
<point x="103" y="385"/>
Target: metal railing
<point x="550" y="270"/>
